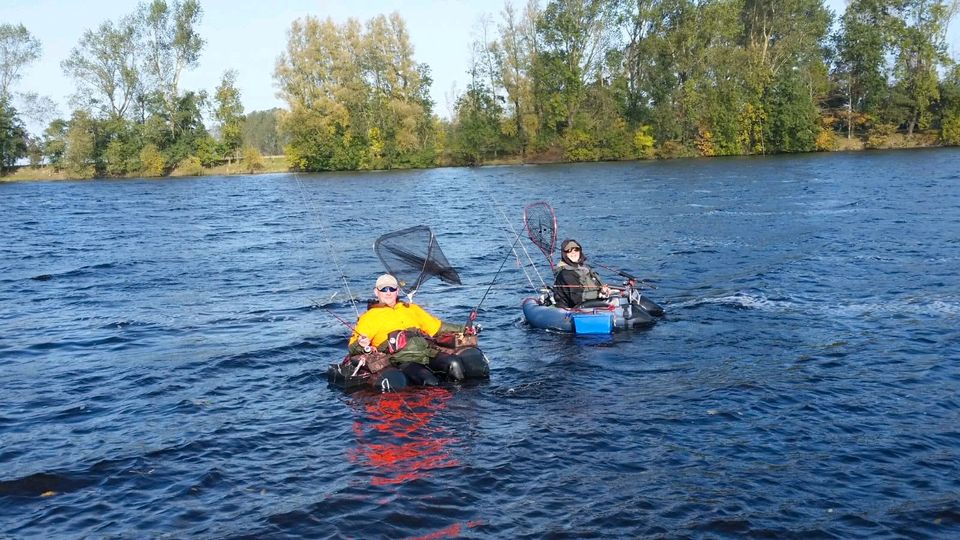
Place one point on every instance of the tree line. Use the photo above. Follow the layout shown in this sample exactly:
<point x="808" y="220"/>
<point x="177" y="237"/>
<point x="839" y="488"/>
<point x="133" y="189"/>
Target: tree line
<point x="627" y="79"/>
<point x="131" y="115"/>
<point x="573" y="80"/>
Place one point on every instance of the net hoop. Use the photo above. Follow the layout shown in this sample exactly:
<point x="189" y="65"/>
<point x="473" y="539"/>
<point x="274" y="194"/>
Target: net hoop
<point x="540" y="221"/>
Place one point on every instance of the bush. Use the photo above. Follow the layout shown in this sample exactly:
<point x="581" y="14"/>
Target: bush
<point x="671" y="150"/>
<point x="252" y="159"/>
<point x="826" y="140"/>
<point x="191" y="166"/>
<point x="704" y="142"/>
<point x="578" y="145"/>
<point x="950" y="130"/>
<point x="643" y="142"/>
<point x="152" y="161"/>
<point x="879" y="136"/>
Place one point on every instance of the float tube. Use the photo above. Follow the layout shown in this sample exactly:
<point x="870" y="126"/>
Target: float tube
<point x="594" y="317"/>
<point x="374" y="371"/>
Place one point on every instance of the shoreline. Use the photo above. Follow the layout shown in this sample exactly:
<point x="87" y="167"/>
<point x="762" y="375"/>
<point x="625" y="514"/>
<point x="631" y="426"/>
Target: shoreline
<point x="278" y="164"/>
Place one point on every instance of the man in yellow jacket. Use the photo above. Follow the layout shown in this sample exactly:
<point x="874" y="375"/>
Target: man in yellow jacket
<point x="403" y="330"/>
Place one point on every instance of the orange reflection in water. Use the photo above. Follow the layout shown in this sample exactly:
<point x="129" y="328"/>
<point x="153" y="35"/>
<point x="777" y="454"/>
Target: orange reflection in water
<point x="396" y="438"/>
<point x="453" y="531"/>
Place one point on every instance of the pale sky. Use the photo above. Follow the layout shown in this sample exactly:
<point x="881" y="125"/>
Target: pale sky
<point x="249" y="35"/>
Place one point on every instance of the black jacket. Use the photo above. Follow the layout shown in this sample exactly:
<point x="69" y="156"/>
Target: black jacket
<point x="575" y="285"/>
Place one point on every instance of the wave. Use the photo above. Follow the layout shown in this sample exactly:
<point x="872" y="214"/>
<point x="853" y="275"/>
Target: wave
<point x="77" y="272"/>
<point x="939" y="307"/>
<point x="741" y="300"/>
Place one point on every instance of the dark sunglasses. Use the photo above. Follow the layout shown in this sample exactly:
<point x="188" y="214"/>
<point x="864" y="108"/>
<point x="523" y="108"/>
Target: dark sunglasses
<point x="388" y="289"/>
<point x="571" y="250"/>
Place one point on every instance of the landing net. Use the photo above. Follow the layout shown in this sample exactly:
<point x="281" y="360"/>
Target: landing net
<point x="413" y="256"/>
<point x="541" y="224"/>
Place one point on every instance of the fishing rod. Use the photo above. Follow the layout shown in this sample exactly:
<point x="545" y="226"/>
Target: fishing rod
<point x="330" y="248"/>
<point x="625" y="275"/>
<point x="353" y="329"/>
<point x="492" y="203"/>
<point x="473" y="314"/>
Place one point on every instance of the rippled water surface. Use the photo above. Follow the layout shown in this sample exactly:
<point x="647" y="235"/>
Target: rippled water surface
<point x="162" y="369"/>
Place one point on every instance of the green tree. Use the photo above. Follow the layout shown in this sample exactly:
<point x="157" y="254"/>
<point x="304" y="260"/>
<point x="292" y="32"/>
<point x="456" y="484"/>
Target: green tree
<point x="171" y="45"/>
<point x="121" y="154"/>
<point x="105" y="65"/>
<point x="18" y="48"/>
<point x="476" y="133"/>
<point x="55" y="143"/>
<point x="669" y="68"/>
<point x="919" y="31"/>
<point x="187" y="115"/>
<point x="400" y="91"/>
<point x="13" y="137"/>
<point x="950" y="103"/>
<point x="261" y="129"/>
<point x="80" y="157"/>
<point x="793" y="116"/>
<point x="356" y="97"/>
<point x="573" y="38"/>
<point x="518" y="43"/>
<point x="861" y="45"/>
<point x="228" y="113"/>
<point x="207" y="150"/>
<point x="783" y="39"/>
<point x="321" y="79"/>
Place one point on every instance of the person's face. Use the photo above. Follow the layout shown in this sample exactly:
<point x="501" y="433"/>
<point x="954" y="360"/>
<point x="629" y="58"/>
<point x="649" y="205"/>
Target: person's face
<point x="573" y="253"/>
<point x="387" y="295"/>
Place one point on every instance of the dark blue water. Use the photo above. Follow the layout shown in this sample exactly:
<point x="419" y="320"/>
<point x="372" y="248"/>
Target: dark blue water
<point x="162" y="369"/>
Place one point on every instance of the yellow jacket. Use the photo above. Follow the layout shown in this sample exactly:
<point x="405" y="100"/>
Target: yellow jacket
<point x="380" y="320"/>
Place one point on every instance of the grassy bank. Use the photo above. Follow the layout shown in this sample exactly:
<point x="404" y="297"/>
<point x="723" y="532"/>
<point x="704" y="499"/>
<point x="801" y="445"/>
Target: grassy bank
<point x="271" y="164"/>
<point x="279" y="164"/>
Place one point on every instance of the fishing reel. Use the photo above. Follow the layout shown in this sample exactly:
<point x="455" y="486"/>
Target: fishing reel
<point x="546" y="297"/>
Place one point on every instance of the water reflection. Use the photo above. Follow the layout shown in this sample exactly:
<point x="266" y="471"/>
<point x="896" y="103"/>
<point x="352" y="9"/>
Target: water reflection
<point x="395" y="436"/>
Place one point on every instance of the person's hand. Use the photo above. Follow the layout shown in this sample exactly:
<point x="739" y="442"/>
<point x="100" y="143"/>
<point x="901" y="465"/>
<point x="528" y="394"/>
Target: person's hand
<point x="364" y="343"/>
<point x="605" y="291"/>
<point x="472" y="330"/>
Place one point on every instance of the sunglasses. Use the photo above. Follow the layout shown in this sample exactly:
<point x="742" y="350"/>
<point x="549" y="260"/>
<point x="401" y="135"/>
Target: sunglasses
<point x="571" y="250"/>
<point x="387" y="289"/>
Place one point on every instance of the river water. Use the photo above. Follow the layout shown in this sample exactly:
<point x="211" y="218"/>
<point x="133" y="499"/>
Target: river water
<point x="163" y="368"/>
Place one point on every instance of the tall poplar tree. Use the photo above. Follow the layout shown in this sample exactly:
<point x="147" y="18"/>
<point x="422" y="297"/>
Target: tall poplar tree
<point x="228" y="113"/>
<point x="106" y="66"/>
<point x="356" y="97"/>
<point x="13" y="136"/>
<point x="919" y="38"/>
<point x="18" y="49"/>
<point x="785" y="40"/>
<point x="517" y="43"/>
<point x="171" y="45"/>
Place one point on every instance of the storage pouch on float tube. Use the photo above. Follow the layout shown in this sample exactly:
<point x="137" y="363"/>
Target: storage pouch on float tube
<point x="360" y="364"/>
<point x="396" y="341"/>
<point x="592" y="323"/>
<point x="376" y="361"/>
<point x="455" y="341"/>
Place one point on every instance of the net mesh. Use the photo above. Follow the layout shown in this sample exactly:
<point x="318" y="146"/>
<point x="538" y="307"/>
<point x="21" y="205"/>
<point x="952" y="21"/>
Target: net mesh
<point x="413" y="256"/>
<point x="541" y="224"/>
